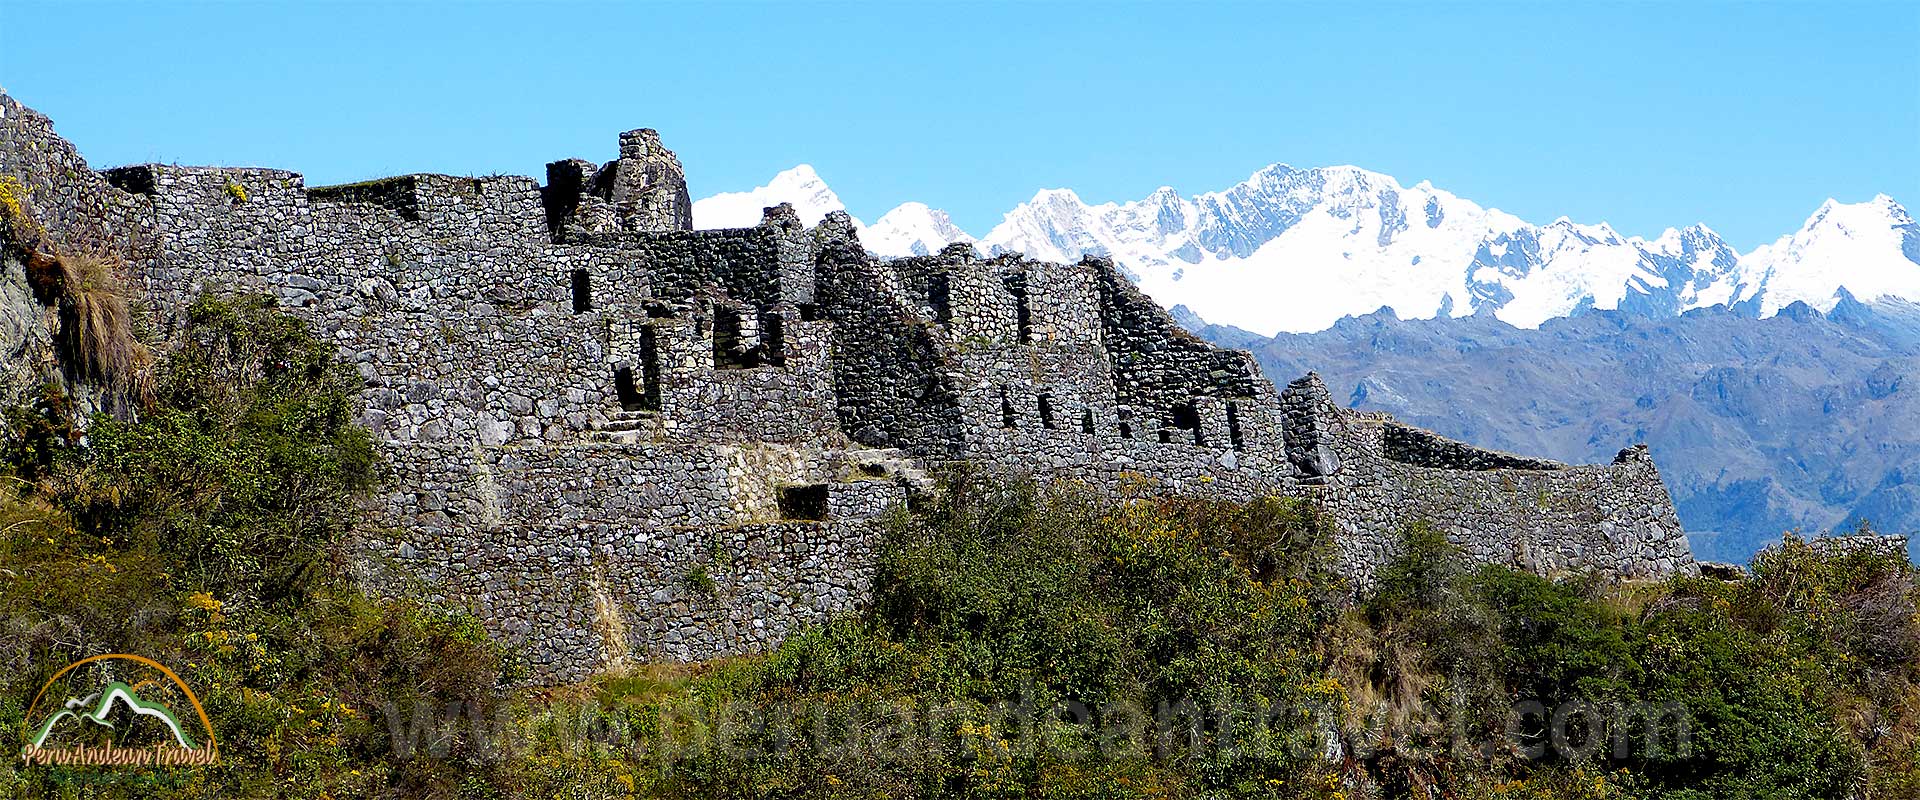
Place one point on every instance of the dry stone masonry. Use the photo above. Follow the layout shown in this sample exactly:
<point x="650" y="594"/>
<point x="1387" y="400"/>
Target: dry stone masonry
<point x="615" y="438"/>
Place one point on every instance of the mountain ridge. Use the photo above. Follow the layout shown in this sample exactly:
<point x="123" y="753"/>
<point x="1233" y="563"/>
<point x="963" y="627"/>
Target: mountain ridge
<point x="1761" y="425"/>
<point x="1293" y="250"/>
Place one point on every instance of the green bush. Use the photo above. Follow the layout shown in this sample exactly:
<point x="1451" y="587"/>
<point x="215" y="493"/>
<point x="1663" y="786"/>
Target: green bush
<point x="1017" y="635"/>
<point x="208" y="533"/>
<point x="1797" y="682"/>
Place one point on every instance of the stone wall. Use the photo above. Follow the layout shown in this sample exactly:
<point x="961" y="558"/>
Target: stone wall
<point x="1409" y="445"/>
<point x="1534" y="514"/>
<point x="614" y="438"/>
<point x="1887" y="544"/>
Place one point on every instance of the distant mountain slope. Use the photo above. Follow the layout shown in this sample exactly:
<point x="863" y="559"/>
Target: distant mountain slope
<point x="1801" y="420"/>
<point x="1297" y="249"/>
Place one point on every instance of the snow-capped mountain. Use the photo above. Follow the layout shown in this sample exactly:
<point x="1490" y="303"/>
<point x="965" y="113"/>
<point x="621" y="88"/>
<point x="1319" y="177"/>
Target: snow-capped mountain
<point x="1871" y="249"/>
<point x="1295" y="250"/>
<point x="810" y="196"/>
<point x="912" y="229"/>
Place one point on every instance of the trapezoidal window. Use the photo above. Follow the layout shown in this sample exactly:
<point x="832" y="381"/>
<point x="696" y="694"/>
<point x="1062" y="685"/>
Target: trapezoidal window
<point x="1007" y="418"/>
<point x="1125" y="418"/>
<point x="582" y="291"/>
<point x="1086" y="420"/>
<point x="1046" y="411"/>
<point x="804" y="503"/>
<point x="1023" y="318"/>
<point x="1233" y="426"/>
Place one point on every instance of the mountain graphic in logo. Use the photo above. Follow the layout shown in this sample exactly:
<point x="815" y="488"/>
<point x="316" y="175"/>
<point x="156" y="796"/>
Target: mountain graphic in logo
<point x="98" y="708"/>
<point x="70" y="734"/>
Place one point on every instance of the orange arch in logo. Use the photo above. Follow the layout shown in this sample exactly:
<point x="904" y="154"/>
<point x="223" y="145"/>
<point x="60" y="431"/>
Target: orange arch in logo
<point x="213" y="742"/>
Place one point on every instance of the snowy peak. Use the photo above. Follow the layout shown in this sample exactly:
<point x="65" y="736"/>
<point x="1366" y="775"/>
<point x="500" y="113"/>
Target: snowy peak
<point x="1296" y="250"/>
<point x="800" y="186"/>
<point x="912" y="229"/>
<point x="909" y="230"/>
<point x="1869" y="249"/>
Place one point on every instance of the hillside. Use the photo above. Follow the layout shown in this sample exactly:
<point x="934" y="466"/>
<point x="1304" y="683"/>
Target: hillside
<point x="1022" y="642"/>
<point x="1761" y="426"/>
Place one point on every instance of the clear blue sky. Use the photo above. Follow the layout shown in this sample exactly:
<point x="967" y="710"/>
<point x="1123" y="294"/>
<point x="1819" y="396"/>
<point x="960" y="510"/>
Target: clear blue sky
<point x="1741" y="115"/>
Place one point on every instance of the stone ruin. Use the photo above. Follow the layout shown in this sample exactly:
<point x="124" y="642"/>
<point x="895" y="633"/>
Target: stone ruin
<point x="616" y="439"/>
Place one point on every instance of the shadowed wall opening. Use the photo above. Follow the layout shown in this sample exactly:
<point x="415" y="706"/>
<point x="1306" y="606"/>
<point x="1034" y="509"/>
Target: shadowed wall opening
<point x="631" y="399"/>
<point x="730" y="348"/>
<point x="1187" y="418"/>
<point x="582" y="291"/>
<point x="804" y="503"/>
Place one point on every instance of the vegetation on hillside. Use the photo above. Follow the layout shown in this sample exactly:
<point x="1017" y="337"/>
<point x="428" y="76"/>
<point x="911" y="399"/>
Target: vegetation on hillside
<point x="206" y="535"/>
<point x="1021" y="642"/>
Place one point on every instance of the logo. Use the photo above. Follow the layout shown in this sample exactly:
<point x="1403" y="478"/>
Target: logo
<point x="119" y="711"/>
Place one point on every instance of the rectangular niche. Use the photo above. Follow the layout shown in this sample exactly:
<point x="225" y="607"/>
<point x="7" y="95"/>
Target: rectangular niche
<point x="1186" y="417"/>
<point x="805" y="503"/>
<point x="730" y="341"/>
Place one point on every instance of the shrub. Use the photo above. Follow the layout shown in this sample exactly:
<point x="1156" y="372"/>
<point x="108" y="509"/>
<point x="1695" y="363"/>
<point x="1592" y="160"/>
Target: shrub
<point x="209" y="535"/>
<point x="1016" y="629"/>
<point x="248" y="468"/>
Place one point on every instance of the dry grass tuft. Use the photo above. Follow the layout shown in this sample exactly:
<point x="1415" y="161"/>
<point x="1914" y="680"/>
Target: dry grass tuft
<point x="96" y="324"/>
<point x="1386" y="678"/>
<point x="96" y="339"/>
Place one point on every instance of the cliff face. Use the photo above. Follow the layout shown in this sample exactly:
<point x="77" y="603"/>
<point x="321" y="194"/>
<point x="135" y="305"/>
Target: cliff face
<point x="613" y="437"/>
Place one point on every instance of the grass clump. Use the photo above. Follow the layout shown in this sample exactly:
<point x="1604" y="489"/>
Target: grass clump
<point x="96" y="335"/>
<point x="95" y="340"/>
